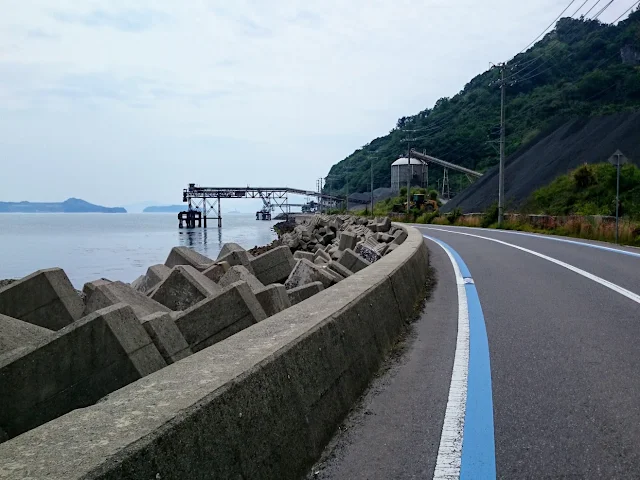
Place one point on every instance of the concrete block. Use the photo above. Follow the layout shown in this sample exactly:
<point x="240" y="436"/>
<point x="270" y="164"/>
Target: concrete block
<point x="184" y="287"/>
<point x="339" y="269"/>
<point x="216" y="271"/>
<point x="15" y="333"/>
<point x="369" y="254"/>
<point x="166" y="337"/>
<point x="308" y="255"/>
<point x="332" y="273"/>
<point x="273" y="298"/>
<point x="400" y="236"/>
<point x="306" y="272"/>
<point x="216" y="318"/>
<point x="273" y="266"/>
<point x="392" y="247"/>
<point x="238" y="257"/>
<point x="383" y="224"/>
<point x="353" y="261"/>
<point x="322" y="254"/>
<point x="155" y="274"/>
<point x="239" y="273"/>
<point x="337" y="255"/>
<point x="187" y="256"/>
<point x="45" y="298"/>
<point x="75" y="367"/>
<point x="385" y="237"/>
<point x="320" y="261"/>
<point x="229" y="247"/>
<point x="101" y="294"/>
<point x="90" y="287"/>
<point x="301" y="293"/>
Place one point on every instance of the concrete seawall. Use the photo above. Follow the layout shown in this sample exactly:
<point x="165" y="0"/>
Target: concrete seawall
<point x="261" y="404"/>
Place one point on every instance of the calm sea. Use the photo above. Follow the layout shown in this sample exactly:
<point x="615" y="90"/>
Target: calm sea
<point x="114" y="246"/>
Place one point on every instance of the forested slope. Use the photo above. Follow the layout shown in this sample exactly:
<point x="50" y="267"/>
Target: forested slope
<point x="580" y="69"/>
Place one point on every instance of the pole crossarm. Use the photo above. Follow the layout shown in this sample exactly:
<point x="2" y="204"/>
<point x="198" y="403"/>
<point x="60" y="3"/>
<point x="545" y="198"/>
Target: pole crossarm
<point x="443" y="163"/>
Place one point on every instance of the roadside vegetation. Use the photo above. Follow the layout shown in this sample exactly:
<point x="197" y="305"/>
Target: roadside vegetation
<point x="579" y="204"/>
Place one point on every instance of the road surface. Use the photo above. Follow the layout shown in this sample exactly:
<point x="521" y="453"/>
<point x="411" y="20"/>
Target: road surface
<point x="524" y="364"/>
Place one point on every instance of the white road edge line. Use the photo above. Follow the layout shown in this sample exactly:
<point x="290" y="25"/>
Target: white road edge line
<point x="616" y="288"/>
<point x="449" y="458"/>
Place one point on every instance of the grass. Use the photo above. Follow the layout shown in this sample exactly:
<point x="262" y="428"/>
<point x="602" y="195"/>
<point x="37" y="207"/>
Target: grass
<point x="588" y="228"/>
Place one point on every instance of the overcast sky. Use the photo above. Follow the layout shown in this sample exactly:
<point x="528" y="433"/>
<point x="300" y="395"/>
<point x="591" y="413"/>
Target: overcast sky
<point x="119" y="102"/>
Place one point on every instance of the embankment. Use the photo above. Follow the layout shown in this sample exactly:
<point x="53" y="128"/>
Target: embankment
<point x="261" y="404"/>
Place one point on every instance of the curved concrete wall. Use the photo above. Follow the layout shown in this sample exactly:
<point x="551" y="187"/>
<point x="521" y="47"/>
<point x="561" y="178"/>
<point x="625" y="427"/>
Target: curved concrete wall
<point x="261" y="404"/>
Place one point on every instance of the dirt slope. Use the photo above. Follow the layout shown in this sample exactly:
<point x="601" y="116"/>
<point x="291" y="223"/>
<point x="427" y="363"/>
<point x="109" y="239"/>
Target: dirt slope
<point x="590" y="140"/>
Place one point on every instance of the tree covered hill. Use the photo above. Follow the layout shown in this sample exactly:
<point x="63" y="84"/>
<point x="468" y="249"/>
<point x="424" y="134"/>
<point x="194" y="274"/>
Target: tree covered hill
<point x="581" y="68"/>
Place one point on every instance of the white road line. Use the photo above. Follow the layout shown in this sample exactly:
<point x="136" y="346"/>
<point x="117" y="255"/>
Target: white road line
<point x="449" y="457"/>
<point x="563" y="240"/>
<point x="616" y="288"/>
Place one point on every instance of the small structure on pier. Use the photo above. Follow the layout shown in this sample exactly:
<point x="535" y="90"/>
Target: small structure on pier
<point x="190" y="219"/>
<point x="263" y="214"/>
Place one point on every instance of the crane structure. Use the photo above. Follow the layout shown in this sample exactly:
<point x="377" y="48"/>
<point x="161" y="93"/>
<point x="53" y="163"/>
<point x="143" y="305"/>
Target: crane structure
<point x="208" y="199"/>
<point x="427" y="159"/>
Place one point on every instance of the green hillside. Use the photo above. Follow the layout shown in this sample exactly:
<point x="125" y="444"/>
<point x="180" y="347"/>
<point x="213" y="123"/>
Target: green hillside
<point x="581" y="68"/>
<point x="590" y="190"/>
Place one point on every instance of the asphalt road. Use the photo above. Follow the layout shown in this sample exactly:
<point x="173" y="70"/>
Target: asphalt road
<point x="564" y="353"/>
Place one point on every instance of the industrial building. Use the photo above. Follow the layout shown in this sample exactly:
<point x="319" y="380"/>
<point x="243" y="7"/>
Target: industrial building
<point x="401" y="171"/>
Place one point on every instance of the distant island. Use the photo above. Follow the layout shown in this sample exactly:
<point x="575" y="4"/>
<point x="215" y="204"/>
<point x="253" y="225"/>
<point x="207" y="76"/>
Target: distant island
<point x="71" y="205"/>
<point x="165" y="209"/>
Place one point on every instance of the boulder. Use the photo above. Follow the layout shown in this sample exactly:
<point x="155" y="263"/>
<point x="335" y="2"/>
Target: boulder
<point x="301" y="293"/>
<point x="45" y="298"/>
<point x="306" y="272"/>
<point x="166" y="337"/>
<point x="15" y="333"/>
<point x="74" y="367"/>
<point x="273" y="298"/>
<point x="102" y="294"/>
<point x="220" y="316"/>
<point x="273" y="266"/>
<point x="187" y="256"/>
<point x="184" y="287"/>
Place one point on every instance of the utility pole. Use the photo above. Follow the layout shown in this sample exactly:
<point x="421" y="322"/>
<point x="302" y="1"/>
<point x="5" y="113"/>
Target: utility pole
<point x="408" y="178"/>
<point x="371" y="160"/>
<point x="502" y="135"/>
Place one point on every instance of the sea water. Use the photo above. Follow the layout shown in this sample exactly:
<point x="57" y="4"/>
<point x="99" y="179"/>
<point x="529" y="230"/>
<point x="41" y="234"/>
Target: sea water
<point x="114" y="246"/>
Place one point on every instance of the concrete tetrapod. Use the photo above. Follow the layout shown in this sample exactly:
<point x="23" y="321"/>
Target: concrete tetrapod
<point x="260" y="404"/>
<point x="273" y="266"/>
<point x="166" y="337"/>
<point x="184" y="287"/>
<point x="187" y="256"/>
<point x="74" y="367"/>
<point x="220" y="316"/>
<point x="45" y="298"/>
<point x="15" y="333"/>
<point x="102" y="294"/>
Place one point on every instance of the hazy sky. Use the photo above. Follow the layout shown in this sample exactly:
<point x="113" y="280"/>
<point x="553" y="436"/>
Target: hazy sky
<point x="118" y="102"/>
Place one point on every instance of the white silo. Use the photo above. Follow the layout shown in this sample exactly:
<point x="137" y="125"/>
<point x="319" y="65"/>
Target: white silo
<point x="402" y="170"/>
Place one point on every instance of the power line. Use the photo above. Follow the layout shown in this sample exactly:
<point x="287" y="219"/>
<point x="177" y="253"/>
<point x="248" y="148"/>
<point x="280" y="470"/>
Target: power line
<point x="627" y="11"/>
<point x="592" y="7"/>
<point x="580" y="7"/>
<point x="603" y="9"/>
<point x="550" y="25"/>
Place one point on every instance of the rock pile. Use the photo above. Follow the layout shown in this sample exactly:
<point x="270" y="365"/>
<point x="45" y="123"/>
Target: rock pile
<point x="60" y="351"/>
